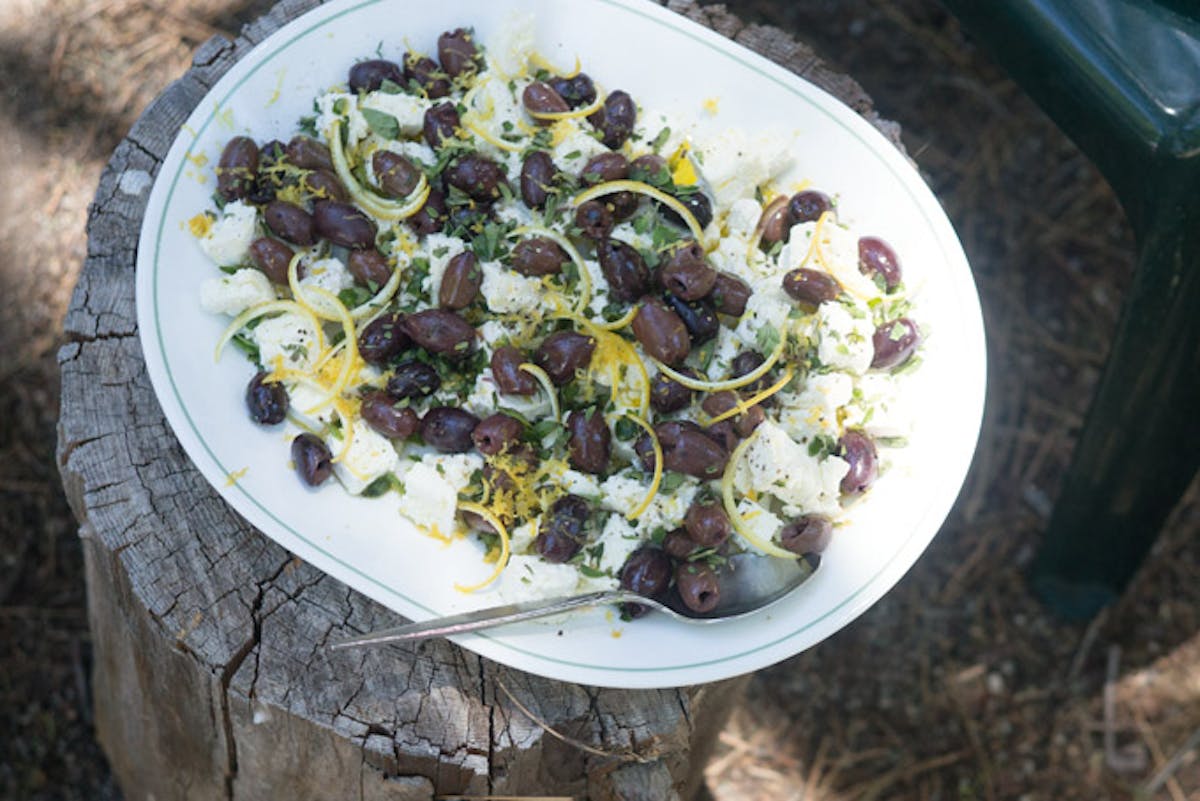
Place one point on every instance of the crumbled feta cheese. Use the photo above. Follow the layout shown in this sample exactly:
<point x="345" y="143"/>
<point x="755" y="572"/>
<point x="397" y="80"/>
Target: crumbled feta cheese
<point x="743" y="217"/>
<point x="233" y="294"/>
<point x="486" y="398"/>
<point x="623" y="492"/>
<point x="776" y="464"/>
<point x="369" y="456"/>
<point x="529" y="577"/>
<point x="455" y="468"/>
<point x="768" y="306"/>
<point x="303" y="403"/>
<point x="759" y="521"/>
<point x="814" y="410"/>
<point x="576" y="149"/>
<point x="845" y="337"/>
<point x="327" y="274"/>
<point x="508" y="292"/>
<point x="408" y="110"/>
<point x="288" y="341"/>
<point x="228" y="239"/>
<point x="578" y="483"/>
<point x="353" y="122"/>
<point x="736" y="165"/>
<point x="619" y="539"/>
<point x="429" y="500"/>
<point x="881" y="407"/>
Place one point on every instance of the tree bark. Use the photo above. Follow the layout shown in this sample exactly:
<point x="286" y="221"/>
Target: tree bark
<point x="211" y="680"/>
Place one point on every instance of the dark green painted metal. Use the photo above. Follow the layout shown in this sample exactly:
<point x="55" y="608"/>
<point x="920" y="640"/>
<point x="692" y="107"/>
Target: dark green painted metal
<point x="1122" y="79"/>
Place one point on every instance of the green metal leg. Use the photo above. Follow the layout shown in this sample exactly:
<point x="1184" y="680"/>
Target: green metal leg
<point x="1122" y="78"/>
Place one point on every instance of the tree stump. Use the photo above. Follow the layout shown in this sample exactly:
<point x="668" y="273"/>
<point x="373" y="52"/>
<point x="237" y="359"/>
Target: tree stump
<point x="211" y="680"/>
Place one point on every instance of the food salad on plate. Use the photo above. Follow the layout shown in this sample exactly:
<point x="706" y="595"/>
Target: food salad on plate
<point x="611" y="347"/>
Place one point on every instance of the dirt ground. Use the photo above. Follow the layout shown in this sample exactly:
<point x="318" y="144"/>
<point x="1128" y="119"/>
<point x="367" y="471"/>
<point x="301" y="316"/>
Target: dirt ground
<point x="957" y="685"/>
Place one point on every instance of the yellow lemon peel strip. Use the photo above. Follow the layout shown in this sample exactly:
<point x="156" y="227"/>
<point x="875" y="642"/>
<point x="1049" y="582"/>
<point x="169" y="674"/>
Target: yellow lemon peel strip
<point x="502" y="562"/>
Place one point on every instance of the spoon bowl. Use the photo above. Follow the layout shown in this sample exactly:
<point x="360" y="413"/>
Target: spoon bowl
<point x="749" y="583"/>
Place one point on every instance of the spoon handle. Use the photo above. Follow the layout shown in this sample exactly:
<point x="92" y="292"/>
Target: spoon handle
<point x="485" y="618"/>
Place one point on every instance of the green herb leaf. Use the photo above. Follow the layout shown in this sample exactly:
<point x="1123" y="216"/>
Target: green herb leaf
<point x="384" y="125"/>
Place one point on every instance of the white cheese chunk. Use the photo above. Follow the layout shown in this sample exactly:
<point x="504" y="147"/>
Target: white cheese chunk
<point x="576" y="148"/>
<point x="327" y="274"/>
<point x="814" y="411"/>
<point x="619" y="539"/>
<point x="233" y="294"/>
<point x="369" y="456"/>
<point x="288" y="341"/>
<point x="333" y="106"/>
<point x="845" y="337"/>
<point x="529" y="577"/>
<point x="454" y="468"/>
<point x="228" y="239"/>
<point x="429" y="500"/>
<point x="508" y="292"/>
<point x="776" y="464"/>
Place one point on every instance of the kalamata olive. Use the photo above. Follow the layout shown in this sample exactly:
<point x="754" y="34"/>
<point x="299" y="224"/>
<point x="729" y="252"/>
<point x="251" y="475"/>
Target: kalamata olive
<point x="289" y="221"/>
<point x="647" y="571"/>
<point x="368" y="76"/>
<point x="267" y="180"/>
<point x="308" y="154"/>
<point x="644" y="449"/>
<point x="578" y="90"/>
<point x="718" y="403"/>
<point x="615" y="119"/>
<point x="478" y="176"/>
<point x="476" y="523"/>
<point x="594" y="220"/>
<point x="687" y="449"/>
<point x="808" y="206"/>
<point x="668" y="395"/>
<point x="448" y="429"/>
<point x="724" y="434"/>
<point x="895" y="342"/>
<point x="707" y="523"/>
<point x="324" y="185"/>
<point x="698" y="586"/>
<point x="745" y="362"/>
<point x="624" y="269"/>
<point x="507" y="372"/>
<point x="396" y="176"/>
<point x="460" y="282"/>
<point x="383" y="339"/>
<point x="603" y="168"/>
<point x="441" y="124"/>
<point x="237" y="169"/>
<point x="563" y="354"/>
<point x="744" y="424"/>
<point x="590" y="442"/>
<point x="267" y="401"/>
<point x="661" y="332"/>
<point x="811" y="286"/>
<point x="271" y="153"/>
<point x="313" y="461"/>
<point x="497" y="433"/>
<point x="537" y="256"/>
<point x="695" y="202"/>
<point x="537" y="178"/>
<point x="432" y="216"/>
<point x="730" y="294"/>
<point x="876" y="257"/>
<point x="343" y="224"/>
<point x="775" y="223"/>
<point x="678" y="544"/>
<point x="539" y="98"/>
<point x="382" y="413"/>
<point x="457" y="52"/>
<point x="698" y="317"/>
<point x="413" y="380"/>
<point x="441" y="331"/>
<point x="859" y="450"/>
<point x="369" y="267"/>
<point x="272" y="258"/>
<point x="650" y="168"/>
<point x="426" y="73"/>
<point x="563" y="529"/>
<point x="807" y="534"/>
<point x="687" y="273"/>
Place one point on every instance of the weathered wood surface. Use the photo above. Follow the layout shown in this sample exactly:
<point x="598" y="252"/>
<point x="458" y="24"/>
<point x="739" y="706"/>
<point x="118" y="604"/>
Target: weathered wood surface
<point x="210" y="678"/>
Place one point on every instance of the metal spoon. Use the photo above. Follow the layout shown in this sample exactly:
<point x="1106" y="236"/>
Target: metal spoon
<point x="749" y="583"/>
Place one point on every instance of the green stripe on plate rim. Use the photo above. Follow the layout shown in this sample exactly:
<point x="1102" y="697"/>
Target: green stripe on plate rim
<point x="749" y="64"/>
